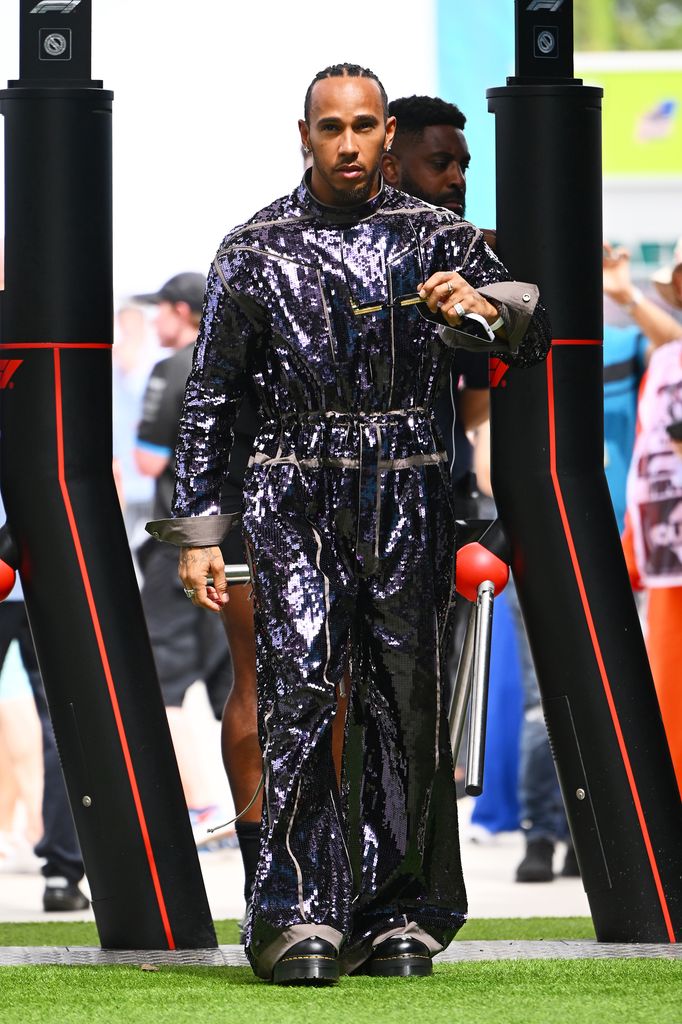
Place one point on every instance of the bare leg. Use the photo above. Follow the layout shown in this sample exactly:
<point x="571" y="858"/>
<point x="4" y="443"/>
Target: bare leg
<point x="240" y="746"/>
<point x="196" y="782"/>
<point x="20" y="730"/>
<point x="339" y="726"/>
<point x="8" y="789"/>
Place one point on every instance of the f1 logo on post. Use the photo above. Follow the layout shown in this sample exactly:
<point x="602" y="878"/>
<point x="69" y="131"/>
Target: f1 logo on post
<point x="551" y="6"/>
<point x="56" y="7"/>
<point x="8" y="367"/>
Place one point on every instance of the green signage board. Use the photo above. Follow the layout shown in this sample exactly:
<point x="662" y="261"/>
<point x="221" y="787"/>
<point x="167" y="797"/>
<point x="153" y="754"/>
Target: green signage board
<point x="642" y="121"/>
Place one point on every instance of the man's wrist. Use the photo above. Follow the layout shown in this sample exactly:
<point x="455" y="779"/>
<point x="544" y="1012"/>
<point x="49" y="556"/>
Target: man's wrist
<point x="636" y="297"/>
<point x="496" y="324"/>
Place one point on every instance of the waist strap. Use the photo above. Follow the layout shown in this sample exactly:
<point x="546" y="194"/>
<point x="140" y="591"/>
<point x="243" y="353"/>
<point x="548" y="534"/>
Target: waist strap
<point x="316" y="462"/>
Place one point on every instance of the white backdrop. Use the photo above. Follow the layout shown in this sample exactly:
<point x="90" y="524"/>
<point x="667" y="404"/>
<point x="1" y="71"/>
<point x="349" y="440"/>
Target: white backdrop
<point x="207" y="98"/>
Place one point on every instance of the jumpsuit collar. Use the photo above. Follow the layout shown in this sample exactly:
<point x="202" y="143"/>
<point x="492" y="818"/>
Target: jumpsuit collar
<point x="341" y="214"/>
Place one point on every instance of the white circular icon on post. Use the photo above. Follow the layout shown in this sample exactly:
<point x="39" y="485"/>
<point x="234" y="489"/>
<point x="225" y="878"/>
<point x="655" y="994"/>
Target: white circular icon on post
<point x="546" y="42"/>
<point x="55" y="44"/>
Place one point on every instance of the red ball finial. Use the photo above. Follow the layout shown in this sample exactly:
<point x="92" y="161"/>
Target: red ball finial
<point x="8" y="578"/>
<point x="475" y="564"/>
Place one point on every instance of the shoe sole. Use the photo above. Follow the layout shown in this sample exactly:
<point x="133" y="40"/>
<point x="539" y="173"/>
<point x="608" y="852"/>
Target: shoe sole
<point x="309" y="970"/>
<point x="408" y="966"/>
<point x="61" y="905"/>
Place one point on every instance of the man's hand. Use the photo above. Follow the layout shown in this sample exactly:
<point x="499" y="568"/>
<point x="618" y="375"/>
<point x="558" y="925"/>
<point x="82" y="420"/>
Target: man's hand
<point x="195" y="567"/>
<point x="446" y="290"/>
<point x="617" y="280"/>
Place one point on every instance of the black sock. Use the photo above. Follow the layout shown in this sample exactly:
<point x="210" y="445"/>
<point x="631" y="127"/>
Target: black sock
<point x="248" y="835"/>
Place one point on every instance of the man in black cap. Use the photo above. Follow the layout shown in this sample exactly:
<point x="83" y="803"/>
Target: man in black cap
<point x="187" y="644"/>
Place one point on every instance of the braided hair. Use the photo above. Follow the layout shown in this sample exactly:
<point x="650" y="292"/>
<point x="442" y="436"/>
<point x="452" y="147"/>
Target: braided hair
<point x="343" y="71"/>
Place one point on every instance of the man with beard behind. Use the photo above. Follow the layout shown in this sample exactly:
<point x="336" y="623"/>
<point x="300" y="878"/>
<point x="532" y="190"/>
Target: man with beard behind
<point x="429" y="157"/>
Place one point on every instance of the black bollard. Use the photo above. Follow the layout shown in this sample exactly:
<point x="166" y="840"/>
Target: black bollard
<point x="66" y="527"/>
<point x="605" y="728"/>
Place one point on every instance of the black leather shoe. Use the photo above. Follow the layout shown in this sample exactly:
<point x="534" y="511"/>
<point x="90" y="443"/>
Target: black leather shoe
<point x="312" y="961"/>
<point x="398" y="957"/>
<point x="536" y="866"/>
<point x="60" y="894"/>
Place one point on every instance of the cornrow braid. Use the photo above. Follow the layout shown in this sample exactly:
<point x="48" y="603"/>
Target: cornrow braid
<point x="341" y="71"/>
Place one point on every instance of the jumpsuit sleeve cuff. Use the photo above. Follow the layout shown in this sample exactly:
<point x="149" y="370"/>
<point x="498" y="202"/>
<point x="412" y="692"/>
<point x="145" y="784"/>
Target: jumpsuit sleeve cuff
<point x="515" y="302"/>
<point x="194" y="531"/>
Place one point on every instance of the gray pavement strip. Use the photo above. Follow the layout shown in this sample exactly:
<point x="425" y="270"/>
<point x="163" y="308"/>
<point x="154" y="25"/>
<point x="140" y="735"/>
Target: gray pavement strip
<point x="233" y="956"/>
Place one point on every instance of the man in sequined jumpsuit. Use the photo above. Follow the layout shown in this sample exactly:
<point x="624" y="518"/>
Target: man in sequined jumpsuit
<point x="342" y="303"/>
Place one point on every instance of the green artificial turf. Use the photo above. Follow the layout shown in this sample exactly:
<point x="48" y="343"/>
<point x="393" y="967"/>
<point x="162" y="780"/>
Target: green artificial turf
<point x="84" y="933"/>
<point x="502" y="992"/>
<point x="493" y="992"/>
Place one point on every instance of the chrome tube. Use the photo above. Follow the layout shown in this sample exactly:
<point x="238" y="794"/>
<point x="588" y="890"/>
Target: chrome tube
<point x="460" y="692"/>
<point x="237" y="573"/>
<point x="479" y="689"/>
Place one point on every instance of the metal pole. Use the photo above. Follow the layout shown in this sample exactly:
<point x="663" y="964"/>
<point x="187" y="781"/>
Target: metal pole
<point x="63" y="514"/>
<point x="473" y="782"/>
<point x="237" y="574"/>
<point x="459" y="700"/>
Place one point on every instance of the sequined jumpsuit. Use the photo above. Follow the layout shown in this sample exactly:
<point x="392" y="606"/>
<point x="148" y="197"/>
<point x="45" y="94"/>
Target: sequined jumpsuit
<point x="348" y="523"/>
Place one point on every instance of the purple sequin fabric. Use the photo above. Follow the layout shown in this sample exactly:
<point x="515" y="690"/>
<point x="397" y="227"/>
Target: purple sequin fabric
<point x="351" y="537"/>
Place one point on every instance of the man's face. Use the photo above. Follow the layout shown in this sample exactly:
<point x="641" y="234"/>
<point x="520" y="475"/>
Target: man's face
<point x="168" y="323"/>
<point x="433" y="167"/>
<point x="347" y="135"/>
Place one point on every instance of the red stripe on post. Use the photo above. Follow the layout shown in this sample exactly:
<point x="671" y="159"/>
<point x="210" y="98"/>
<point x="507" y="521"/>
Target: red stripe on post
<point x="596" y="646"/>
<point x="103" y="653"/>
<point x="55" y="344"/>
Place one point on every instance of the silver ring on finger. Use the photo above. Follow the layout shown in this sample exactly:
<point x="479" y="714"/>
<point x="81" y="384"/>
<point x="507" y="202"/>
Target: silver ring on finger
<point x="459" y="309"/>
<point x="189" y="592"/>
<point x="450" y="288"/>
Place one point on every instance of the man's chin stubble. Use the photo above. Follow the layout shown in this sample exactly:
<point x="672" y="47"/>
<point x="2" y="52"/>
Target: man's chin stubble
<point x="353" y="197"/>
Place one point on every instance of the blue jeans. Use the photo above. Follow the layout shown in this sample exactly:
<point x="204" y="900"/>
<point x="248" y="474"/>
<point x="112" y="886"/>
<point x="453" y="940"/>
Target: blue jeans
<point x="497" y="809"/>
<point x="541" y="805"/>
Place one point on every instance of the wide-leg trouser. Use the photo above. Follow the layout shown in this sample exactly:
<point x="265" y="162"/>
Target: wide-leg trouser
<point x="335" y="584"/>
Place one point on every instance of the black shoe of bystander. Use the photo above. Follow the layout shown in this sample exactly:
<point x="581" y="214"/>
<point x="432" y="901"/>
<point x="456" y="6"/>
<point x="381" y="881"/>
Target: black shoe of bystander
<point x="61" y="894"/>
<point x="536" y="866"/>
